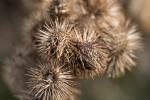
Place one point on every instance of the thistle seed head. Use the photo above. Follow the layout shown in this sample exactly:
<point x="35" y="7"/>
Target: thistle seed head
<point x="123" y="44"/>
<point x="51" y="81"/>
<point x="90" y="53"/>
<point x="53" y="38"/>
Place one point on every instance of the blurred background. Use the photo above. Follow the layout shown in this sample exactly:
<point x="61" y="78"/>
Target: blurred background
<point x="133" y="86"/>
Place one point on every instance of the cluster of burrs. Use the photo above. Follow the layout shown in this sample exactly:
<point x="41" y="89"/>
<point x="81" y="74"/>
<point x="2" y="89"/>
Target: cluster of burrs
<point x="76" y="39"/>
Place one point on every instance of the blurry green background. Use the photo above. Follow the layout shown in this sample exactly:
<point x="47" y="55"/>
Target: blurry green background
<point x="133" y="86"/>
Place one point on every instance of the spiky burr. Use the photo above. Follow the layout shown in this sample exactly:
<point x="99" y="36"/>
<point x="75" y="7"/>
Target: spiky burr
<point x="123" y="43"/>
<point x="90" y="53"/>
<point x="51" y="81"/>
<point x="53" y="39"/>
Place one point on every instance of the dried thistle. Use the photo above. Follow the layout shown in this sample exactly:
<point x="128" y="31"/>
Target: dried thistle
<point x="53" y="38"/>
<point x="51" y="81"/>
<point x="123" y="44"/>
<point x="90" y="53"/>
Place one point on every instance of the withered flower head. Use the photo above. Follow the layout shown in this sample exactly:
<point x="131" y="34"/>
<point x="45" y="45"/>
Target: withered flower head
<point x="53" y="38"/>
<point x="123" y="44"/>
<point x="90" y="53"/>
<point x="51" y="81"/>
